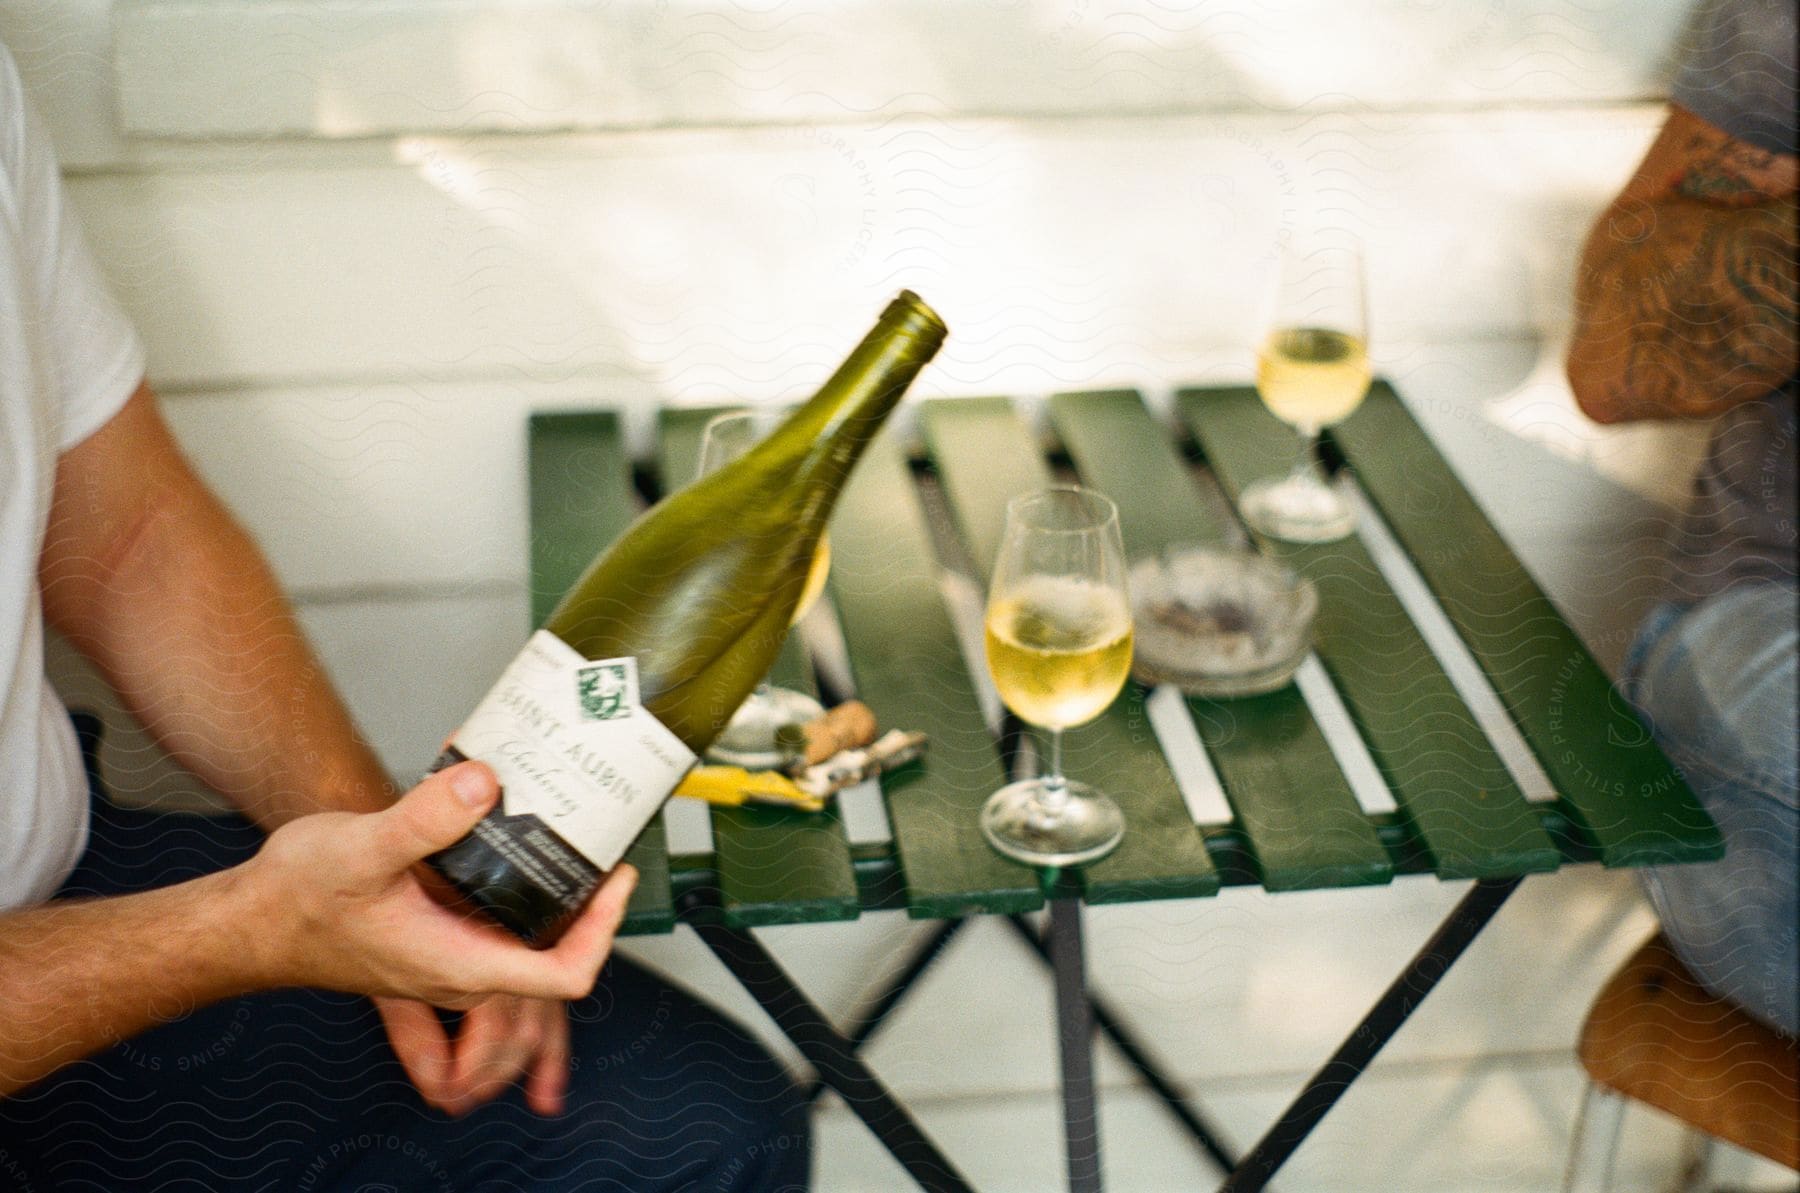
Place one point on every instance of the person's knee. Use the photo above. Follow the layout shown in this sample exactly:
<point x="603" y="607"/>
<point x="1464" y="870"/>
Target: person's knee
<point x="1719" y="688"/>
<point x="770" y="1153"/>
<point x="765" y="1138"/>
<point x="670" y="1075"/>
<point x="752" y="1117"/>
<point x="754" y="1091"/>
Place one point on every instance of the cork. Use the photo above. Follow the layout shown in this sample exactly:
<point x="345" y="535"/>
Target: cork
<point x="849" y="726"/>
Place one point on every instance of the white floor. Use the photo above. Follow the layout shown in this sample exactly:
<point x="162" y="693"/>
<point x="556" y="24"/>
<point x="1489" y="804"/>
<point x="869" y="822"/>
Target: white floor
<point x="1240" y="998"/>
<point x="1497" y="1125"/>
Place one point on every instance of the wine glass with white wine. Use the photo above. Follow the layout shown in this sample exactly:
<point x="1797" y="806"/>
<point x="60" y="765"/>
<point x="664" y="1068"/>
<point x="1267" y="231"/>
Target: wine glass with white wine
<point x="1059" y="648"/>
<point x="1312" y="370"/>
<point x="751" y="739"/>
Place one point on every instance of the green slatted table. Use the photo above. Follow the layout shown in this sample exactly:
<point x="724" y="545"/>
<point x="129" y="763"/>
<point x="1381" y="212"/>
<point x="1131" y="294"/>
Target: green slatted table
<point x="1295" y="822"/>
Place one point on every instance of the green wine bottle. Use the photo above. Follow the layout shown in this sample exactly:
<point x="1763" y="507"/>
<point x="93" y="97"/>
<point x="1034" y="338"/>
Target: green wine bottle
<point x="644" y="660"/>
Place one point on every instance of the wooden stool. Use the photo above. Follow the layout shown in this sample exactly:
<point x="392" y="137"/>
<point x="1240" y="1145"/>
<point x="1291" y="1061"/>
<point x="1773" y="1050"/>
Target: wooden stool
<point x="1655" y="1036"/>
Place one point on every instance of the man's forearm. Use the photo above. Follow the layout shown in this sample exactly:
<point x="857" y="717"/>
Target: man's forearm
<point x="150" y="577"/>
<point x="1684" y="307"/>
<point x="77" y="977"/>
<point x="212" y="660"/>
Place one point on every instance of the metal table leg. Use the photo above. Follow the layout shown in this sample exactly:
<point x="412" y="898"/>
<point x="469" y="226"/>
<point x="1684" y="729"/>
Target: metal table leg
<point x="832" y="1055"/>
<point x="1321" y="1093"/>
<point x="1075" y="1035"/>
<point x="1138" y="1057"/>
<point x="868" y="1020"/>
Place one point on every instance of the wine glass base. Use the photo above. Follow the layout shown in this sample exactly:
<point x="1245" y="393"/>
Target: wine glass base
<point x="749" y="739"/>
<point x="1088" y="828"/>
<point x="1297" y="510"/>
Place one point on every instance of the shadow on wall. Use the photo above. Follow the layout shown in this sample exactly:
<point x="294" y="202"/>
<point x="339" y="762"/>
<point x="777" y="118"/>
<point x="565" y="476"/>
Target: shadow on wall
<point x="257" y="69"/>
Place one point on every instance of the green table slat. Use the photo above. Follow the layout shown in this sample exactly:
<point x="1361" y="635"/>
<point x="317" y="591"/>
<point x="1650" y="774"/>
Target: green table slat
<point x="775" y="865"/>
<point x="986" y="456"/>
<point x="1304" y="825"/>
<point x="909" y="670"/>
<point x="1611" y="775"/>
<point x="963" y="434"/>
<point x="781" y="866"/>
<point x="581" y="499"/>
<point x="1443" y="771"/>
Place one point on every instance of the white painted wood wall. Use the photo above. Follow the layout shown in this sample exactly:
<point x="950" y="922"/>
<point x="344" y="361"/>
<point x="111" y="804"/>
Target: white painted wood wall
<point x="364" y="239"/>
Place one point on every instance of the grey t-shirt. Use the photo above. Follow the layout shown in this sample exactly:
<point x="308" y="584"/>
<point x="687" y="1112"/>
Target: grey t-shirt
<point x="1739" y="75"/>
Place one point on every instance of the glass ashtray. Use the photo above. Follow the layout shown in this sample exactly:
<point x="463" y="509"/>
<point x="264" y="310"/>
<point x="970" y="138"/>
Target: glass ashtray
<point x="1219" y="622"/>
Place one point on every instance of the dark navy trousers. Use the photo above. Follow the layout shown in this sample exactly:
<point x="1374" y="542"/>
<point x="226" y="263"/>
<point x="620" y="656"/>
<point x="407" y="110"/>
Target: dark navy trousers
<point x="299" y="1090"/>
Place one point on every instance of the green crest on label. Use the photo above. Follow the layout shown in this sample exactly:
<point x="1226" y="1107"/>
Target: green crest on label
<point x="604" y="691"/>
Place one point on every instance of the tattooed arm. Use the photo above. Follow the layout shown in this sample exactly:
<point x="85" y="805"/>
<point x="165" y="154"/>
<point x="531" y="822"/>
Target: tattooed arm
<point x="1685" y="299"/>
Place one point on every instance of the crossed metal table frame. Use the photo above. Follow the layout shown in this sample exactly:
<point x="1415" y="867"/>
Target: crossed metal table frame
<point x="833" y="1052"/>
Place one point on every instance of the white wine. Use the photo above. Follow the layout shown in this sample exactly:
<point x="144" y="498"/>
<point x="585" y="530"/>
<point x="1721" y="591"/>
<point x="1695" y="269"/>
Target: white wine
<point x="1311" y="377"/>
<point x="1059" y="649"/>
<point x="1059" y="641"/>
<point x="645" y="659"/>
<point x="815" y="579"/>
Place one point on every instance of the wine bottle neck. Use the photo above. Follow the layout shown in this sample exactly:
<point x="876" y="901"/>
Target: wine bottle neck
<point x="851" y="406"/>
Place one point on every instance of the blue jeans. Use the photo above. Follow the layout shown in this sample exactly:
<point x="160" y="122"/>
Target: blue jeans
<point x="299" y="1090"/>
<point x="1716" y="683"/>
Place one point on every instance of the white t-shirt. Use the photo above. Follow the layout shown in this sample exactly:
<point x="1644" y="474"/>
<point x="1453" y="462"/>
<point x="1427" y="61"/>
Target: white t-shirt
<point x="68" y="361"/>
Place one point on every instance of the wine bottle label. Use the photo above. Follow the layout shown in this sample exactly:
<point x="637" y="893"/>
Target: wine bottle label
<point x="572" y="745"/>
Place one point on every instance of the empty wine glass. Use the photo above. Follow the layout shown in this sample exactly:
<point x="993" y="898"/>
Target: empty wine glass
<point x="1312" y="370"/>
<point x="750" y="739"/>
<point x="1059" y="633"/>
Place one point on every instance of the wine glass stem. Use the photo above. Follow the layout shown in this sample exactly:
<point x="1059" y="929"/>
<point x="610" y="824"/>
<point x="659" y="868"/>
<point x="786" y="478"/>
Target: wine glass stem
<point x="1303" y="462"/>
<point x="1054" y="792"/>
